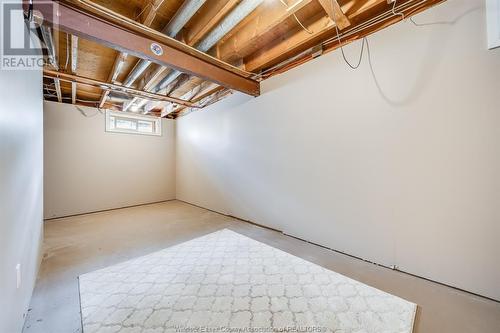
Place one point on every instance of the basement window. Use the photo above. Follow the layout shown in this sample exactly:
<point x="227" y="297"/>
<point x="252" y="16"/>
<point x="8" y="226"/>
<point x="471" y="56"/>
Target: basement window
<point x="125" y="122"/>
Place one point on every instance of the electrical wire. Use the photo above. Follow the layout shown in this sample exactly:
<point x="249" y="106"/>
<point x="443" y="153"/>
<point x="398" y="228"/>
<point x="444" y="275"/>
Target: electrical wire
<point x="306" y="55"/>
<point x="342" y="47"/>
<point x="398" y="13"/>
<point x="343" y="54"/>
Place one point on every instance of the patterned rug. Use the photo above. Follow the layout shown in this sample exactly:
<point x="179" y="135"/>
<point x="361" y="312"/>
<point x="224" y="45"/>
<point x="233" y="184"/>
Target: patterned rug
<point x="226" y="282"/>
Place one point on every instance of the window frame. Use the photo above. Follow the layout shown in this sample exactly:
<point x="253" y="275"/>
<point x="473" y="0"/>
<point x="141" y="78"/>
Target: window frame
<point x="493" y="23"/>
<point x="132" y="116"/>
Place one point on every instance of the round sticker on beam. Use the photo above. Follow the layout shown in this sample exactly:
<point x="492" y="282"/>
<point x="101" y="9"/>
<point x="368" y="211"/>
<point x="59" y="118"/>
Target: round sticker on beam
<point x="156" y="49"/>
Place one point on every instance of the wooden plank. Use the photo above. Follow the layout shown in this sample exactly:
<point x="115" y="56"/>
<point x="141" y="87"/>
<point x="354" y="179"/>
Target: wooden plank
<point x="333" y="10"/>
<point x="359" y="5"/>
<point x="272" y="15"/>
<point x="283" y="49"/>
<point x="92" y="82"/>
<point x="150" y="14"/>
<point x="139" y="42"/>
<point x="153" y="76"/>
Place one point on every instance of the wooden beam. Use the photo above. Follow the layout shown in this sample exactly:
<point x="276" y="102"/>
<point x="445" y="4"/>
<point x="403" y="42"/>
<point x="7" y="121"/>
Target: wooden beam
<point x="333" y="10"/>
<point x="290" y="44"/>
<point x="105" y="85"/>
<point x="272" y="14"/>
<point x="102" y="13"/>
<point x="356" y="5"/>
<point x="217" y="8"/>
<point x="127" y="36"/>
<point x="150" y="13"/>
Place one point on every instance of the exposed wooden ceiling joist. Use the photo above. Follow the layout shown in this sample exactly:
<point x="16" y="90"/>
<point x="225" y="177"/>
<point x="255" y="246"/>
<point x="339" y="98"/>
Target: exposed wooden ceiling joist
<point x="273" y="37"/>
<point x="239" y="44"/>
<point x="334" y="11"/>
<point x="92" y="82"/>
<point x="149" y="16"/>
<point x="268" y="16"/>
<point x="292" y="44"/>
<point x="229" y="22"/>
<point x="136" y="39"/>
<point x="323" y="29"/>
<point x="150" y="13"/>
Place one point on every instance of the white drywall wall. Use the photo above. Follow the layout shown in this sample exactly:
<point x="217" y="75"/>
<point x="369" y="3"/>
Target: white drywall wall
<point x="406" y="176"/>
<point x="21" y="176"/>
<point x="88" y="169"/>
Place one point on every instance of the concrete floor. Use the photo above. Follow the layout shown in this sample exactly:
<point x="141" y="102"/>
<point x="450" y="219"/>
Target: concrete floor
<point x="80" y="244"/>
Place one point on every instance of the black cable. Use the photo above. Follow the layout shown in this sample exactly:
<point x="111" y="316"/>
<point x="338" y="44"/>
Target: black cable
<point x="343" y="54"/>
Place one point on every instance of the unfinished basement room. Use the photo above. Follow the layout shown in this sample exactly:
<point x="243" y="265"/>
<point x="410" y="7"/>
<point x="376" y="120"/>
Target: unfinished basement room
<point x="250" y="166"/>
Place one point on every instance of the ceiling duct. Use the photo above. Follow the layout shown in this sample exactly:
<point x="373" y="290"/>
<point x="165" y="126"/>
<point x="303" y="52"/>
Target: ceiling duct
<point x="227" y="24"/>
<point x="181" y="17"/>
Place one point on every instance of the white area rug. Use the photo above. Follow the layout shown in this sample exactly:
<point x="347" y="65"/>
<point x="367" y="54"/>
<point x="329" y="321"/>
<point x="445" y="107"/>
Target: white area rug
<point x="226" y="282"/>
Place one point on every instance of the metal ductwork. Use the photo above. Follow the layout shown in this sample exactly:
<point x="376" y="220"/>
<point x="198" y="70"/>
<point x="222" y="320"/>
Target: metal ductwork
<point x="138" y="69"/>
<point x="49" y="43"/>
<point x="226" y="25"/>
<point x="183" y="15"/>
